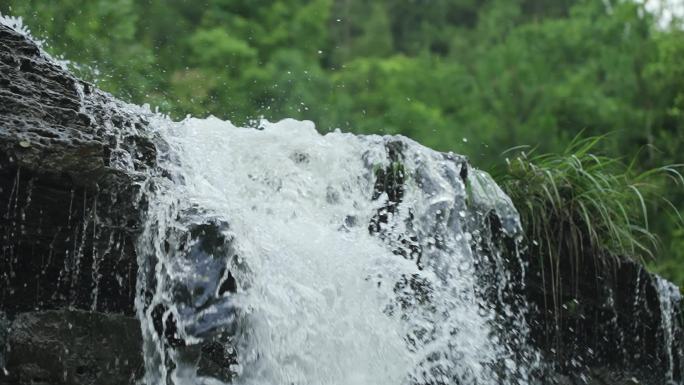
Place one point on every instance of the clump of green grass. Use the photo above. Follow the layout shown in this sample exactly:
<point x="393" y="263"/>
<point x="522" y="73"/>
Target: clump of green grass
<point x="581" y="207"/>
<point x="579" y="203"/>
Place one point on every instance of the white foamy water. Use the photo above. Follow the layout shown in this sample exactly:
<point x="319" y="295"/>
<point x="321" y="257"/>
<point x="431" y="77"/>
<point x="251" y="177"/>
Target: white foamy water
<point x="320" y="299"/>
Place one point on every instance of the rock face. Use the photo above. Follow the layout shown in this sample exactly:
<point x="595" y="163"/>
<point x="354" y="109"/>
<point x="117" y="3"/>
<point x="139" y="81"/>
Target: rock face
<point x="615" y="321"/>
<point x="72" y="160"/>
<point x="4" y="335"/>
<point x="74" y="347"/>
<point x="69" y="158"/>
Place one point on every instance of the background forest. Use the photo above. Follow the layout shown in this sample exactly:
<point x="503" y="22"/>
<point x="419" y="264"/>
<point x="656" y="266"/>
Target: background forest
<point x="473" y="77"/>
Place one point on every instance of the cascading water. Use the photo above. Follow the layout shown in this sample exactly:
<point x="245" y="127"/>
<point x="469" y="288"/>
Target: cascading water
<point x="277" y="255"/>
<point x="668" y="298"/>
<point x="319" y="259"/>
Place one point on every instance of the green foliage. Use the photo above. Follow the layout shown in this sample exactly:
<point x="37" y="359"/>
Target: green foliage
<point x="105" y="29"/>
<point x="577" y="203"/>
<point x="473" y="77"/>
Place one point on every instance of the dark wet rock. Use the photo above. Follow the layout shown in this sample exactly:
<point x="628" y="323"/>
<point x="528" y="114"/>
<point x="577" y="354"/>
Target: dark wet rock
<point x="597" y="320"/>
<point x="70" y="159"/>
<point x="4" y="334"/>
<point x="53" y="122"/>
<point x="217" y="360"/>
<point x="612" y="318"/>
<point x="596" y="377"/>
<point x="206" y="245"/>
<point x="67" y="347"/>
<point x="74" y="347"/>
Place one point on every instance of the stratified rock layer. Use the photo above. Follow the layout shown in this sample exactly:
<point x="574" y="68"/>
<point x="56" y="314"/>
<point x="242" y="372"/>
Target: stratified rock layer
<point x="69" y="158"/>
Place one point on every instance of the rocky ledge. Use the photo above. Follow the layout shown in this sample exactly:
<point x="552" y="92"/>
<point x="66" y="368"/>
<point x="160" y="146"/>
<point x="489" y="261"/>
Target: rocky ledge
<point x="71" y="157"/>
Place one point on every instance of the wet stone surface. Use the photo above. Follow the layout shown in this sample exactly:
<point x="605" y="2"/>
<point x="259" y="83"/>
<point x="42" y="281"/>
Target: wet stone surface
<point x="70" y="159"/>
<point x="73" y="347"/>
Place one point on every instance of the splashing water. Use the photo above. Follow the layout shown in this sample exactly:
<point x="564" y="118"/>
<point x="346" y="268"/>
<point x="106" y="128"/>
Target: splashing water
<point x="668" y="297"/>
<point x="316" y="259"/>
<point x="281" y="256"/>
<point x="17" y="24"/>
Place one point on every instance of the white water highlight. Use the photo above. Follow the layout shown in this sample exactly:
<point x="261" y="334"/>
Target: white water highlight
<point x="339" y="278"/>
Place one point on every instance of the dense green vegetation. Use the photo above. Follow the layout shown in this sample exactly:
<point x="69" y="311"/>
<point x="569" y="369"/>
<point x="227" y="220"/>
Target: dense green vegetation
<point x="577" y="203"/>
<point x="576" y="200"/>
<point x="473" y="77"/>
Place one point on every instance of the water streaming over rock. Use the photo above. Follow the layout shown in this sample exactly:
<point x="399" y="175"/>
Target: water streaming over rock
<point x="324" y="259"/>
<point x="668" y="297"/>
<point x="278" y="255"/>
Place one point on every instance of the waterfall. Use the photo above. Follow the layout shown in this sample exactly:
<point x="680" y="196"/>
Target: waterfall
<point x="275" y="254"/>
<point x="291" y="257"/>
